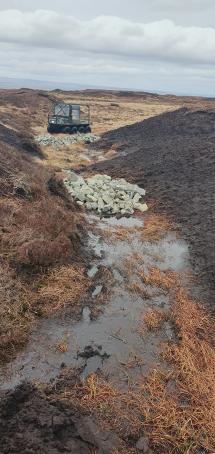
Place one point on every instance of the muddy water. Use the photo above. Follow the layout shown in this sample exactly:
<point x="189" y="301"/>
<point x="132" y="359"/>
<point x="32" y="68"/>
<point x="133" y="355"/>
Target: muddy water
<point x="114" y="342"/>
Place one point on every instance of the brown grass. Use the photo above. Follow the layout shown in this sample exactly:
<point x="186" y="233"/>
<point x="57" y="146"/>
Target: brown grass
<point x="38" y="220"/>
<point x="62" y="287"/>
<point x="113" y="234"/>
<point x="132" y="263"/>
<point x="66" y="157"/>
<point x="163" y="279"/>
<point x="130" y="109"/>
<point x="62" y="346"/>
<point x="40" y="232"/>
<point x="137" y="288"/>
<point x="154" y="319"/>
<point x="16" y="316"/>
<point x="155" y="227"/>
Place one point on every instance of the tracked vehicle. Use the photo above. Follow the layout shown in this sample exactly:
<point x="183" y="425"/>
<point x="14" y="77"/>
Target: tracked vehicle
<point x="69" y="119"/>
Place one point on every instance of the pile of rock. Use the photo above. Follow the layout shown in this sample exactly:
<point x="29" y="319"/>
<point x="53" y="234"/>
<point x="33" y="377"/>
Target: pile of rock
<point x="105" y="195"/>
<point x="59" y="142"/>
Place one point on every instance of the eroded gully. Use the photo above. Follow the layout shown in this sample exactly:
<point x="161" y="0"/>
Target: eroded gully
<point x="115" y="342"/>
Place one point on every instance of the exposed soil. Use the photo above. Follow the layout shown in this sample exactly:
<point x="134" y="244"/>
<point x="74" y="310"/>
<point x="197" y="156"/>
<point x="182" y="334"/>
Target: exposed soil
<point x="173" y="157"/>
<point x="35" y="421"/>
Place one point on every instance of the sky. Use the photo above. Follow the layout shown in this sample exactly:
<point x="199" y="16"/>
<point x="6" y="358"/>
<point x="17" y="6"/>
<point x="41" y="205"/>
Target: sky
<point x="152" y="45"/>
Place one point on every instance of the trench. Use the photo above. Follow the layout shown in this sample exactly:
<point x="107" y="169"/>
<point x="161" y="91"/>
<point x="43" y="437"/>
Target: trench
<point x="112" y="343"/>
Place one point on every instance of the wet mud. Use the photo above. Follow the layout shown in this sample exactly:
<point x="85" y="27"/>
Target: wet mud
<point x="114" y="339"/>
<point x="36" y="421"/>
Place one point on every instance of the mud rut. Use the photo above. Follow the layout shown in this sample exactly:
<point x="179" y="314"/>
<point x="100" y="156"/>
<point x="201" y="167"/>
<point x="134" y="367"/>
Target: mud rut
<point x="115" y="341"/>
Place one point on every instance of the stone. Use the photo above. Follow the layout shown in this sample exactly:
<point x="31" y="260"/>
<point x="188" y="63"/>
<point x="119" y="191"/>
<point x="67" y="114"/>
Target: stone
<point x="141" y="191"/>
<point x="130" y="210"/>
<point x="106" y="441"/>
<point x="126" y="196"/>
<point x="107" y="199"/>
<point x="57" y="142"/>
<point x="80" y="196"/>
<point x="92" y="271"/>
<point x="136" y="197"/>
<point x="78" y="185"/>
<point x="97" y="290"/>
<point x="105" y="195"/>
<point x="107" y="208"/>
<point x="115" y="209"/>
<point x="91" y="206"/>
<point x="100" y="203"/>
<point x="142" y="445"/>
<point x="90" y="197"/>
<point x="141" y="207"/>
<point x="73" y="177"/>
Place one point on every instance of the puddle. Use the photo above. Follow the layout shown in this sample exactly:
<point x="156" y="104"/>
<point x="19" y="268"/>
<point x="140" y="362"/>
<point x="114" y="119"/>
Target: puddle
<point x="121" y="222"/>
<point x="124" y="353"/>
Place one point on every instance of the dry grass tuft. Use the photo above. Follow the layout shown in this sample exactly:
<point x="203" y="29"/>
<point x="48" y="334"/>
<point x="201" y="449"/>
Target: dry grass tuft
<point x="116" y="233"/>
<point x="132" y="263"/>
<point x="62" y="346"/>
<point x="64" y="286"/>
<point x="154" y="319"/>
<point x="137" y="288"/>
<point x="155" y="227"/>
<point x="164" y="279"/>
<point x="16" y="316"/>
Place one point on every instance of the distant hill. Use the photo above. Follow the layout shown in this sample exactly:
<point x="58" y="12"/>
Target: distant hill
<point x="12" y="82"/>
<point x="7" y="82"/>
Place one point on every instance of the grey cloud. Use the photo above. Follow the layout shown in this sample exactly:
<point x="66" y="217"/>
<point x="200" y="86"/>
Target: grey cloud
<point x="108" y="50"/>
<point x="185" y="5"/>
<point x="106" y="70"/>
<point x="162" y="40"/>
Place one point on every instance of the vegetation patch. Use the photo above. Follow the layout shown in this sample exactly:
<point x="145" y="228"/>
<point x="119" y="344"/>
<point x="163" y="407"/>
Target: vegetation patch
<point x="163" y="279"/>
<point x="16" y="317"/>
<point x="64" y="286"/>
<point x="41" y="241"/>
<point x="155" y="227"/>
<point x="154" y="319"/>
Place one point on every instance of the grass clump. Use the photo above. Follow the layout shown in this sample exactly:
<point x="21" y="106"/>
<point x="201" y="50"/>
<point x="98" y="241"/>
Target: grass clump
<point x="16" y="317"/>
<point x="64" y="286"/>
<point x="163" y="279"/>
<point x="155" y="227"/>
<point x="154" y="319"/>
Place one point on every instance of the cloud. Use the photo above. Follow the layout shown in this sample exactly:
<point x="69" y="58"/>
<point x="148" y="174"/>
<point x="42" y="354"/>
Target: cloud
<point x="107" y="51"/>
<point x="162" y="40"/>
<point x="186" y="4"/>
